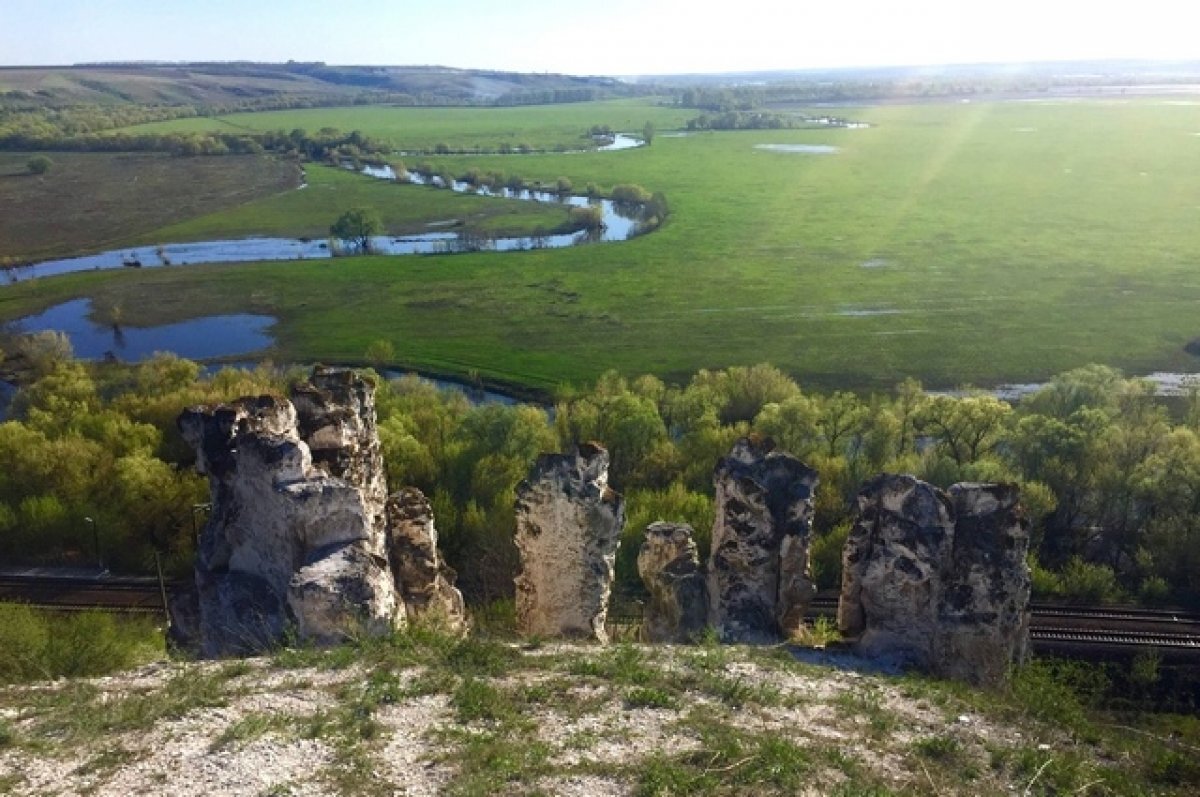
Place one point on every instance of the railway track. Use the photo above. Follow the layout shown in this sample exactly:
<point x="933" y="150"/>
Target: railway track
<point x="78" y="592"/>
<point x="1100" y="632"/>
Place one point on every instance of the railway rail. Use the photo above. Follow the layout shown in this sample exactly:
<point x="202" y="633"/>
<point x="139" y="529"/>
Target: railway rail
<point x="1055" y="628"/>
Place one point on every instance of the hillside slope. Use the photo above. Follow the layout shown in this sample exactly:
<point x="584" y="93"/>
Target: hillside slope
<point x="423" y="714"/>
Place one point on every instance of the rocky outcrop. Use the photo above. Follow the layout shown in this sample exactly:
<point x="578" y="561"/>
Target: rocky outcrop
<point x="758" y="574"/>
<point x="983" y="613"/>
<point x="677" y="609"/>
<point x="938" y="579"/>
<point x="892" y="566"/>
<point x="569" y="524"/>
<point x="426" y="582"/>
<point x="297" y="537"/>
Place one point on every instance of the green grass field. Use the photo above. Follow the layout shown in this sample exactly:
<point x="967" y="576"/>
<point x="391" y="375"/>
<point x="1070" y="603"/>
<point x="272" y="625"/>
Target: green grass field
<point x="92" y="201"/>
<point x="403" y="209"/>
<point x="955" y="243"/>
<point x="539" y="126"/>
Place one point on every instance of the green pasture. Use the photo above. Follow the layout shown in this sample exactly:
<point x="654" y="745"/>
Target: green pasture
<point x="403" y="208"/>
<point x="955" y="243"/>
<point x="538" y="126"/>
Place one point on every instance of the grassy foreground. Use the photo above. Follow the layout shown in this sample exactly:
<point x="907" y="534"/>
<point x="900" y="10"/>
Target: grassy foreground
<point x="423" y="713"/>
<point x="954" y="243"/>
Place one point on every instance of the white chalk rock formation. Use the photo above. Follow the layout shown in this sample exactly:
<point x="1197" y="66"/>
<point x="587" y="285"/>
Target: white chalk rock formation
<point x="677" y="610"/>
<point x="569" y="524"/>
<point x="759" y="581"/>
<point x="297" y="537"/>
<point x="983" y="614"/>
<point x="892" y="567"/>
<point x="426" y="582"/>
<point x="938" y="580"/>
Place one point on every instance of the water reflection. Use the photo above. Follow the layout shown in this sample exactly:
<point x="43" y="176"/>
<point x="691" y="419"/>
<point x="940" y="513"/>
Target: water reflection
<point x="197" y="339"/>
<point x="621" y="221"/>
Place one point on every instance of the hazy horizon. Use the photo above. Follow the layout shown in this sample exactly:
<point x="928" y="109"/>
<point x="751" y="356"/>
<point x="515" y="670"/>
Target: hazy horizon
<point x="616" y="37"/>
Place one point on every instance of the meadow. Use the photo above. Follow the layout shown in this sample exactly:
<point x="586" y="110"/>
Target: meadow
<point x="86" y="202"/>
<point x="956" y="243"/>
<point x="543" y="127"/>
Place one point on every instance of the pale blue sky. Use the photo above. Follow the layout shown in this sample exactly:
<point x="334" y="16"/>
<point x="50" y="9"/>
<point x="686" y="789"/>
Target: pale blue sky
<point x="597" y="36"/>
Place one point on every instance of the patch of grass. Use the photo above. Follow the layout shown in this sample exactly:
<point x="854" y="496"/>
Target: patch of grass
<point x="106" y="761"/>
<point x="250" y="728"/>
<point x="817" y="634"/>
<point x="649" y="697"/>
<point x="41" y="645"/>
<point x="403" y="209"/>
<point x="475" y="700"/>
<point x="79" y="713"/>
<point x="867" y="704"/>
<point x="622" y="664"/>
<point x="481" y="657"/>
<point x="494" y="762"/>
<point x="938" y="748"/>
<point x="728" y="760"/>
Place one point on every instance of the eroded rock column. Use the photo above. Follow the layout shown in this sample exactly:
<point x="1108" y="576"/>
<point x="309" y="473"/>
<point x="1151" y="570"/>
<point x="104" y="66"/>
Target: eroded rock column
<point x="892" y="566"/>
<point x="669" y="565"/>
<point x="938" y="579"/>
<point x="286" y="544"/>
<point x="569" y="524"/>
<point x="297" y="539"/>
<point x="983" y="613"/>
<point x="758" y="575"/>
<point x="426" y="582"/>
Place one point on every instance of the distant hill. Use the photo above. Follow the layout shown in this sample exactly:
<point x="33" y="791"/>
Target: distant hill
<point x="245" y="83"/>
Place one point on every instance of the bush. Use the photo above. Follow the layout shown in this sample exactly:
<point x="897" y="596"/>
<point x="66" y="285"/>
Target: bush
<point x="39" y="164"/>
<point x="36" y="645"/>
<point x="1090" y="583"/>
<point x="631" y="193"/>
<point x="586" y="218"/>
<point x="825" y="556"/>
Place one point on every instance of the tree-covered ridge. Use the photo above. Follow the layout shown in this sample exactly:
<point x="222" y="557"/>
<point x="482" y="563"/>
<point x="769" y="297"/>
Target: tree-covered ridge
<point x="1110" y="479"/>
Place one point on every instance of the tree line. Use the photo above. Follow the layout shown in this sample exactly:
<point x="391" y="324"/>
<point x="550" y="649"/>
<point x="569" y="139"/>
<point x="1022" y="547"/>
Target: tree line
<point x="1110" y="478"/>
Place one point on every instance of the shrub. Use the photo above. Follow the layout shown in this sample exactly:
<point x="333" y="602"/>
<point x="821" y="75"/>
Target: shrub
<point x="825" y="556"/>
<point x="1092" y="583"/>
<point x="39" y="164"/>
<point x="37" y="645"/>
<point x="628" y="192"/>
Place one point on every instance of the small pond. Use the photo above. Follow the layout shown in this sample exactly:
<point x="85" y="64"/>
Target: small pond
<point x="197" y="339"/>
<point x="621" y="141"/>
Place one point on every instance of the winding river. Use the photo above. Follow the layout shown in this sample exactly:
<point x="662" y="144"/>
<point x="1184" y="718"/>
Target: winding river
<point x="620" y="222"/>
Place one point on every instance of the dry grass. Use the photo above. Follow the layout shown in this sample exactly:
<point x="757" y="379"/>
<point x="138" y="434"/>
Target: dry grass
<point x="89" y="201"/>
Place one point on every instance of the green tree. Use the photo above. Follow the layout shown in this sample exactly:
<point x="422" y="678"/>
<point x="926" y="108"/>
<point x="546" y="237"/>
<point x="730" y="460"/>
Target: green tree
<point x="380" y="352"/>
<point x="648" y="133"/>
<point x="356" y="226"/>
<point x="965" y="428"/>
<point x="39" y="164"/>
